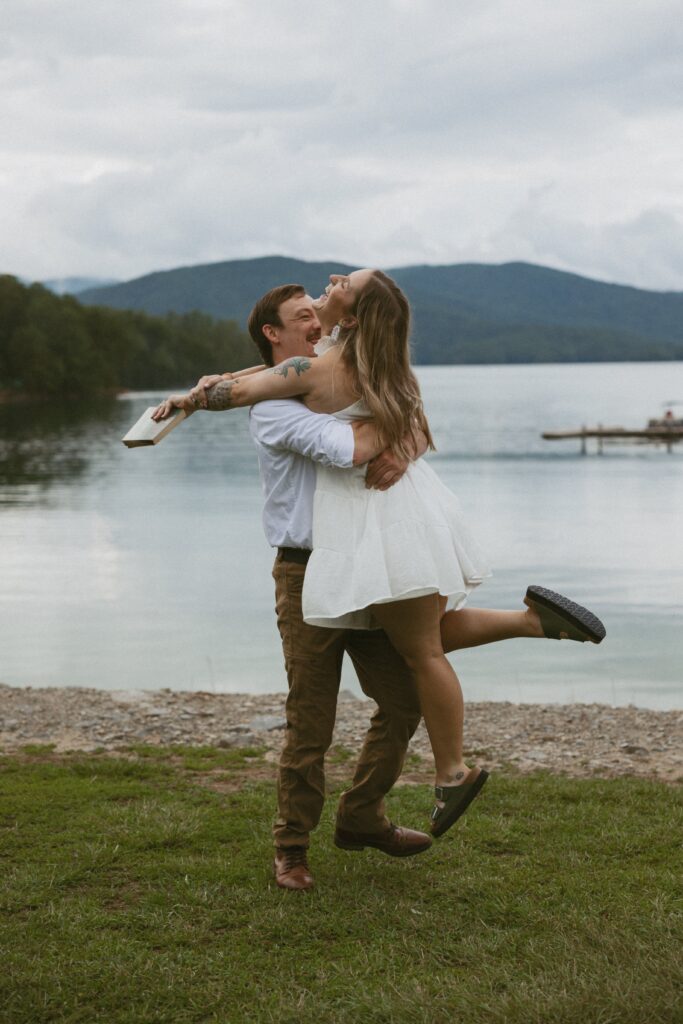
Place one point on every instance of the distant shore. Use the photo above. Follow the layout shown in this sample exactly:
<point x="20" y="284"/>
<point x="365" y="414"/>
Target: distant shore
<point x="577" y="740"/>
<point x="26" y="397"/>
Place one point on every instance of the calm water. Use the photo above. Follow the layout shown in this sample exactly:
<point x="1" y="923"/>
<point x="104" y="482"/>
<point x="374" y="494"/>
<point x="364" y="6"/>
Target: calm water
<point x="149" y="568"/>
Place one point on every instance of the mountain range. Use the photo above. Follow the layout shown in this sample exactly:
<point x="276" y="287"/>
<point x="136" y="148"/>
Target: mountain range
<point x="462" y="313"/>
<point x="75" y="285"/>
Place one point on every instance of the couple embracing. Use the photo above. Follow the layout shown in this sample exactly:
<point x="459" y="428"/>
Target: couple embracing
<point x="374" y="558"/>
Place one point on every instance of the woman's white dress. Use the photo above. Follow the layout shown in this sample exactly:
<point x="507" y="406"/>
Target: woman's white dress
<point x="372" y="546"/>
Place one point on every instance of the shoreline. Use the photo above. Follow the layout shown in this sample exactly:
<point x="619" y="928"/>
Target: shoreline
<point x="576" y="740"/>
<point x="8" y="397"/>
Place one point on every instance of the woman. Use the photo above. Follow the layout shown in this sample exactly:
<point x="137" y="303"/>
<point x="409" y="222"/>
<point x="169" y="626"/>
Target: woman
<point x="395" y="558"/>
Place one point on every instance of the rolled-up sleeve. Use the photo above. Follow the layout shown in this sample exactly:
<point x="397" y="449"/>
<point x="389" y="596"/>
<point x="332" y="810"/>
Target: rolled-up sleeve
<point x="288" y="425"/>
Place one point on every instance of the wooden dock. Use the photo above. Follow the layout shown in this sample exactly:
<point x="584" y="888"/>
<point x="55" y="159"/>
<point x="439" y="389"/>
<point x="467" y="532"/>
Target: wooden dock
<point x="661" y="434"/>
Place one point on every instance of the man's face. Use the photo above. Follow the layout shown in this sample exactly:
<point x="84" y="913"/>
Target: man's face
<point x="341" y="295"/>
<point x="299" y="332"/>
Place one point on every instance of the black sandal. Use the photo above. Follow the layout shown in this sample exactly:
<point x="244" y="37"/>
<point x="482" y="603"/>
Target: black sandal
<point x="562" y="619"/>
<point x="456" y="800"/>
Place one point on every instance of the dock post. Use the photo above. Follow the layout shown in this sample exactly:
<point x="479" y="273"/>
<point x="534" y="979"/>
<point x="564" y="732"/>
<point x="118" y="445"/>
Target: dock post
<point x="599" y="439"/>
<point x="583" y="440"/>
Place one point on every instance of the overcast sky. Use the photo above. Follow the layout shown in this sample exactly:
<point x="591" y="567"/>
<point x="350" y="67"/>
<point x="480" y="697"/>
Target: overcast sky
<point x="144" y="135"/>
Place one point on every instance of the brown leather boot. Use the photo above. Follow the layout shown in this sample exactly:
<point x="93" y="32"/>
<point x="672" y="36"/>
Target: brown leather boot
<point x="291" y="868"/>
<point x="396" y="841"/>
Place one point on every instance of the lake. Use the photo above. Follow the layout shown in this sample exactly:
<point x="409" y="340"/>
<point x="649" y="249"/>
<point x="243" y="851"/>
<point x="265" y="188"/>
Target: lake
<point x="148" y="568"/>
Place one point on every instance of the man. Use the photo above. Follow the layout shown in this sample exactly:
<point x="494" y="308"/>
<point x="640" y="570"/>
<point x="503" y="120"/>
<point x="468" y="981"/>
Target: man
<point x="290" y="439"/>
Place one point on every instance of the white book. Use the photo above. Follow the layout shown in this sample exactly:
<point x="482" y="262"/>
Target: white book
<point x="148" y="431"/>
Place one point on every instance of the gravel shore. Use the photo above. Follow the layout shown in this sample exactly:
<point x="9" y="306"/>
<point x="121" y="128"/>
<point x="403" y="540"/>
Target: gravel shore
<point x="580" y="740"/>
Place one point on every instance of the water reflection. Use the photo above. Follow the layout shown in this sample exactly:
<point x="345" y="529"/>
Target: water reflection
<point x="43" y="443"/>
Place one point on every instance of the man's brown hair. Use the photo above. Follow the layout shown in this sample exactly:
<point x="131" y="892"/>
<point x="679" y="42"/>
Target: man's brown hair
<point x="266" y="311"/>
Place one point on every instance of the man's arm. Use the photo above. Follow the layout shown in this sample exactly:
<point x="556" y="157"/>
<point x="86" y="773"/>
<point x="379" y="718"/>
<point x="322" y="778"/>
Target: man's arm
<point x="368" y="448"/>
<point x="366" y="442"/>
<point x="291" y="427"/>
<point x="247" y="372"/>
<point x="325" y="439"/>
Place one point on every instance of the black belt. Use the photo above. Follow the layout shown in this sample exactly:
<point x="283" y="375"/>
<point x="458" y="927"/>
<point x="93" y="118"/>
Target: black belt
<point x="298" y="555"/>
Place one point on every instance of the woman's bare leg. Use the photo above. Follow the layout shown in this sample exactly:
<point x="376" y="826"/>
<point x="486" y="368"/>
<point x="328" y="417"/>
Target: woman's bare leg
<point x="413" y="628"/>
<point x="471" y="627"/>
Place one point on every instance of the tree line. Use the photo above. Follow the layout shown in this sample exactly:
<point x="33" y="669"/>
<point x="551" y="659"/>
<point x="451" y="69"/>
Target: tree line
<point x="51" y="345"/>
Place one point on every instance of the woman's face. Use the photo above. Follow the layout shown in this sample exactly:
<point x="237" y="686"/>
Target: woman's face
<point x="341" y="295"/>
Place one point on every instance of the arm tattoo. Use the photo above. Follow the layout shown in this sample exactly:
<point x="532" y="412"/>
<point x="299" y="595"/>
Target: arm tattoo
<point x="218" y="397"/>
<point x="298" y="363"/>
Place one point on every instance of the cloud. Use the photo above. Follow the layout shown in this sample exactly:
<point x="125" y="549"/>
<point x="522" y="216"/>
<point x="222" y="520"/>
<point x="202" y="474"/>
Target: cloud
<point x="648" y="247"/>
<point x="191" y="130"/>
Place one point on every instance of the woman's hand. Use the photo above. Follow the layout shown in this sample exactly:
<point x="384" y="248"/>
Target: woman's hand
<point x="173" y="402"/>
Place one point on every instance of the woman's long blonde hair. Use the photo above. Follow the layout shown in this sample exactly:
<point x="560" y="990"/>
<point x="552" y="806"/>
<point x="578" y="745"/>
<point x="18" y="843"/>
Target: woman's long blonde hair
<point x="377" y="353"/>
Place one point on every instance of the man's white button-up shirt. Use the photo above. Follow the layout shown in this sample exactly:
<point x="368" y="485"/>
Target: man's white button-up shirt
<point x="290" y="439"/>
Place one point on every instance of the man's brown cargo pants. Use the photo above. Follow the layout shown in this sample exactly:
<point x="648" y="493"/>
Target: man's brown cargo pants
<point x="313" y="659"/>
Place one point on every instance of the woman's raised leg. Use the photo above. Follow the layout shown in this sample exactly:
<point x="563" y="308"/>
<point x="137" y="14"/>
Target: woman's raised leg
<point x="548" y="614"/>
<point x="472" y="627"/>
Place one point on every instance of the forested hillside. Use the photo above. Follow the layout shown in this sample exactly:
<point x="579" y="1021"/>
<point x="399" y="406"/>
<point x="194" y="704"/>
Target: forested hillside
<point x="170" y="327"/>
<point x="464" y="313"/>
<point x="52" y="345"/>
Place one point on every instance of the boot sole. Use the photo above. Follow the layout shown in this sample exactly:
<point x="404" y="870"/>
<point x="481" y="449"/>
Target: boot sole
<point x="579" y="617"/>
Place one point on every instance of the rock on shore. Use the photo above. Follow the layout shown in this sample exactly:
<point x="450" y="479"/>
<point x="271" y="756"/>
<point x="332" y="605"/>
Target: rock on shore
<point x="580" y="740"/>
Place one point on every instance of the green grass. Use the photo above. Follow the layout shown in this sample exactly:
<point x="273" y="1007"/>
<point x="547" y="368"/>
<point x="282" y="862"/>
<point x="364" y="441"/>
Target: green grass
<point x="200" y="759"/>
<point x="129" y="893"/>
<point x="340" y="754"/>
